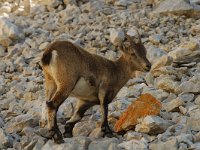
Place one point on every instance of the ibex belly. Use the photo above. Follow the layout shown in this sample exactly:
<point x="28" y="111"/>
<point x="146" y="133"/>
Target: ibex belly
<point x="84" y="90"/>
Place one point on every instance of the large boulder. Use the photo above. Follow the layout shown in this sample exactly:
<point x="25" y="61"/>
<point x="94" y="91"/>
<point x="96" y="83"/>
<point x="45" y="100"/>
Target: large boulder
<point x="8" y="29"/>
<point x="177" y="7"/>
<point x="143" y="106"/>
<point x="116" y="36"/>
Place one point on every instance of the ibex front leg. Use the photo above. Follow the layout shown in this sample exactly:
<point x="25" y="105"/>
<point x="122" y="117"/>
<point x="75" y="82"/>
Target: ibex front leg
<point x="104" y="101"/>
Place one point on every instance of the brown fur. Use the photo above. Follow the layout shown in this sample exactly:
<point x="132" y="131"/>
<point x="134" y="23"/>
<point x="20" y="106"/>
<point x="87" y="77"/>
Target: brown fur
<point x="70" y="70"/>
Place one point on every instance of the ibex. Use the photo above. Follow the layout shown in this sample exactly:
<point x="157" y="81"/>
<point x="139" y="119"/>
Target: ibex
<point x="70" y="70"/>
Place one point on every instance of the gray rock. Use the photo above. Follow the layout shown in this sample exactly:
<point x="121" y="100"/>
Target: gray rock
<point x="197" y="100"/>
<point x="166" y="83"/>
<point x="67" y="108"/>
<point x="186" y="52"/>
<point x="1" y="122"/>
<point x="158" y="94"/>
<point x="155" y="39"/>
<point x="5" y="41"/>
<point x="190" y="86"/>
<point x="135" y="144"/>
<point x="171" y="144"/>
<point x="133" y="135"/>
<point x="177" y="7"/>
<point x="92" y="6"/>
<point x="195" y="2"/>
<point x="123" y="92"/>
<point x="195" y="146"/>
<point x="27" y="71"/>
<point x="154" y="53"/>
<point x="103" y="144"/>
<point x="83" y="128"/>
<point x="121" y="3"/>
<point x="111" y="55"/>
<point x="21" y="124"/>
<point x="3" y="66"/>
<point x="5" y="141"/>
<point x="31" y="145"/>
<point x="193" y="121"/>
<point x="173" y="105"/>
<point x="2" y="51"/>
<point x="39" y="145"/>
<point x="96" y="133"/>
<point x="67" y="2"/>
<point x="179" y="53"/>
<point x="149" y="79"/>
<point x="43" y="45"/>
<point x="162" y="61"/>
<point x="152" y="125"/>
<point x="183" y="110"/>
<point x="8" y="29"/>
<point x="195" y="29"/>
<point x="116" y="36"/>
<point x="54" y="3"/>
<point x="132" y="32"/>
<point x="121" y="104"/>
<point x="76" y="143"/>
<point x="2" y="89"/>
<point x="186" y="97"/>
<point x="5" y="9"/>
<point x="31" y="43"/>
<point x="185" y="138"/>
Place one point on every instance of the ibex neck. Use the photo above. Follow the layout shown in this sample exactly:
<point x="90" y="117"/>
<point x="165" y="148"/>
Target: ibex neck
<point x="123" y="68"/>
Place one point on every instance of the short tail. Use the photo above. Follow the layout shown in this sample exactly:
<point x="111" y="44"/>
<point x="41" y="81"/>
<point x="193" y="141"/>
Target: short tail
<point x="46" y="58"/>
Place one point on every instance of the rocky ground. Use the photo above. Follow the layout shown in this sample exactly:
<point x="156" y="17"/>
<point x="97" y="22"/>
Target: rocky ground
<point x="170" y="30"/>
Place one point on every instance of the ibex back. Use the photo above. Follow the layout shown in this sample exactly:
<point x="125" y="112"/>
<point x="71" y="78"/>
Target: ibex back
<point x="70" y="70"/>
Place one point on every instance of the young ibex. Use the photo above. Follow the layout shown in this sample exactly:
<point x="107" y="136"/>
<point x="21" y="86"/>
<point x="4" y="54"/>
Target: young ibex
<point x="70" y="70"/>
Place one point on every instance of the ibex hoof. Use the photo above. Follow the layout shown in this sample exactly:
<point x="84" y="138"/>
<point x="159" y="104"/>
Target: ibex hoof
<point x="44" y="132"/>
<point x="110" y="135"/>
<point x="49" y="134"/>
<point x="68" y="131"/>
<point x="67" y="135"/>
<point x="58" y="139"/>
<point x="107" y="132"/>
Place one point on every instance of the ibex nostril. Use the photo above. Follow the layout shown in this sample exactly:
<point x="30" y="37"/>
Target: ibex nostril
<point x="149" y="66"/>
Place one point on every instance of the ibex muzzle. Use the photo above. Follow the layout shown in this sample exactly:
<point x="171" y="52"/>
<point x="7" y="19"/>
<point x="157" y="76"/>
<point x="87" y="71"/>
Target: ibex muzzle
<point x="70" y="70"/>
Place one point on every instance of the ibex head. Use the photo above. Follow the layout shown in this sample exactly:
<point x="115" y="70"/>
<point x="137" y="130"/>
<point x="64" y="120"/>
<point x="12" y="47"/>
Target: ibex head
<point x="135" y="53"/>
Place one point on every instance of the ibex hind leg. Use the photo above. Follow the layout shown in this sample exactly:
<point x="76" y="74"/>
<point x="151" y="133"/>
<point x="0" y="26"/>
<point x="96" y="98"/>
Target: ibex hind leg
<point x="81" y="108"/>
<point x="51" y="87"/>
<point x="62" y="92"/>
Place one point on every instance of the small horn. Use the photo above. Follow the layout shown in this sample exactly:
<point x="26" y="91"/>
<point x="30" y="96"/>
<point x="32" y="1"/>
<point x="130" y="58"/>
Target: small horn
<point x="139" y="36"/>
<point x="128" y="37"/>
